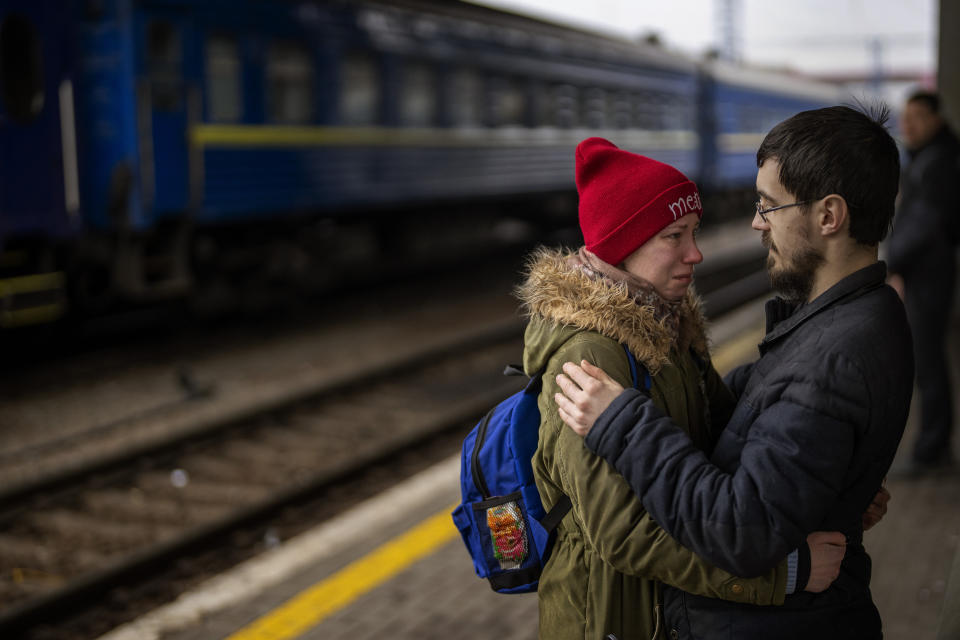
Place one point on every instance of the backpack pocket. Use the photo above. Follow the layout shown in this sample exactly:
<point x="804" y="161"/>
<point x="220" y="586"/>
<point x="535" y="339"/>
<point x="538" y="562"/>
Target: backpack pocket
<point x="503" y="528"/>
<point x="504" y="532"/>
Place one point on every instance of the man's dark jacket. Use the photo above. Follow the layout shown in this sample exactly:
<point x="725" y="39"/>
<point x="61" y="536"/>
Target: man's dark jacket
<point x="926" y="229"/>
<point x="818" y="420"/>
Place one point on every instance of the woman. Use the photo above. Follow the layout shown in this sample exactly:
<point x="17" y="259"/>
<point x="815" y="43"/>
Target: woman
<point x="629" y="286"/>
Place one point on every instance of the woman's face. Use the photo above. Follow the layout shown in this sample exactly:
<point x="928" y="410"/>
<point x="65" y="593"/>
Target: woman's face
<point x="667" y="259"/>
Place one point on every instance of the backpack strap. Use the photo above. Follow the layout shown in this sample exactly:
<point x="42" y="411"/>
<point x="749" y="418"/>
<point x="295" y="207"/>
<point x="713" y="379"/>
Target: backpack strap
<point x="698" y="360"/>
<point x="636" y="369"/>
<point x="514" y="370"/>
<point x="560" y="509"/>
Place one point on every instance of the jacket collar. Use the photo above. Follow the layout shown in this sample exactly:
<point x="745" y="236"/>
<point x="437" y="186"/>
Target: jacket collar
<point x="783" y="317"/>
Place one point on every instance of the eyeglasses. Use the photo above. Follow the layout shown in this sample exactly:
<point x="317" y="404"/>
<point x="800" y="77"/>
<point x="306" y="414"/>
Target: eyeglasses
<point x="763" y="212"/>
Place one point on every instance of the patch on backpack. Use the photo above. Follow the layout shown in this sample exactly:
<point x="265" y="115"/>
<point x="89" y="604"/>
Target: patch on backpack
<point x="508" y="534"/>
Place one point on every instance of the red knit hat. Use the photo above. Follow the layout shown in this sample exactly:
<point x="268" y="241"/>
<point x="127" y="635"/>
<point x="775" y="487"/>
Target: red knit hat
<point x="625" y="198"/>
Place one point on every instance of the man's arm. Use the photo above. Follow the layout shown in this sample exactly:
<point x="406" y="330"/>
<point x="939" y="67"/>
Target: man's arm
<point x="720" y="401"/>
<point x="628" y="538"/>
<point x="614" y="522"/>
<point x="745" y="521"/>
<point x="736" y="380"/>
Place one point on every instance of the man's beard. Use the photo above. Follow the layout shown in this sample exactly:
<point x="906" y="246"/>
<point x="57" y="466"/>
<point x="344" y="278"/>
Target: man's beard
<point x="793" y="279"/>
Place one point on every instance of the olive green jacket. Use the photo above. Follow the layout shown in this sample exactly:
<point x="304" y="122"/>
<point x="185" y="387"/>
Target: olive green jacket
<point x="609" y="554"/>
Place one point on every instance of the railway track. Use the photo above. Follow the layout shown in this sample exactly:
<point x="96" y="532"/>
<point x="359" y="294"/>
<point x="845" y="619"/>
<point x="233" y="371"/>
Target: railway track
<point x="61" y="548"/>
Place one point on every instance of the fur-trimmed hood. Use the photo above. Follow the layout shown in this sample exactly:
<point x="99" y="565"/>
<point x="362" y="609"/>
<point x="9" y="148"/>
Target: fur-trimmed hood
<point x="569" y="299"/>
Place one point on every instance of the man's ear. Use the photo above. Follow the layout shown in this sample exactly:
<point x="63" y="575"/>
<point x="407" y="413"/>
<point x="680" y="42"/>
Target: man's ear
<point x="833" y="215"/>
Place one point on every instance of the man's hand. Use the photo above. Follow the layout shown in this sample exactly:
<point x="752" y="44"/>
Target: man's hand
<point x="877" y="508"/>
<point x="895" y="280"/>
<point x="826" y="553"/>
<point x="587" y="391"/>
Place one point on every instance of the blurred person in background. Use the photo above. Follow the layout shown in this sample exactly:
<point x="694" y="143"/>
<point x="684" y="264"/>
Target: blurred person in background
<point x="921" y="257"/>
<point x="819" y="415"/>
<point x="629" y="287"/>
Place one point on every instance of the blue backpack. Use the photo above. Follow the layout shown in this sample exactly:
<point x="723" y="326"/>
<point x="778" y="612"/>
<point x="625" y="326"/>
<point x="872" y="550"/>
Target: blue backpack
<point x="501" y="518"/>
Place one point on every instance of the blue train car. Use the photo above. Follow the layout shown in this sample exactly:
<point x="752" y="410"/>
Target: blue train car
<point x="151" y="143"/>
<point x="192" y="116"/>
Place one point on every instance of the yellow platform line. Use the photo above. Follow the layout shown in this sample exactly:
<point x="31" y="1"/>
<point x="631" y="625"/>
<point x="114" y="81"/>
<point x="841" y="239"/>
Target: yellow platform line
<point x="309" y="608"/>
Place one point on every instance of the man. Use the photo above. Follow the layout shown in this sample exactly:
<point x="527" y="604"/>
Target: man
<point x="920" y="254"/>
<point x="819" y="415"/>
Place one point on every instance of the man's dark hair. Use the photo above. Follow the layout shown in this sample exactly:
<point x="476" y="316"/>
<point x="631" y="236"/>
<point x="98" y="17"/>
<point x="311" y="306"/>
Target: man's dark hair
<point x="929" y="98"/>
<point x="844" y="151"/>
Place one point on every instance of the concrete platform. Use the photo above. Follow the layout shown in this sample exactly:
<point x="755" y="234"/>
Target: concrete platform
<point x="395" y="568"/>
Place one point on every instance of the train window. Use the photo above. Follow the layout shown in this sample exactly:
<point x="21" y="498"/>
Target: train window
<point x="418" y="96"/>
<point x="620" y="107"/>
<point x="290" y="75"/>
<point x="359" y="90"/>
<point x="224" y="94"/>
<point x="567" y="106"/>
<point x="671" y="109"/>
<point x="760" y="120"/>
<point x="671" y="112"/>
<point x="21" y="68"/>
<point x="466" y="98"/>
<point x="595" y="108"/>
<point x="507" y="102"/>
<point x="543" y="108"/>
<point x="164" y="64"/>
<point x="646" y="110"/>
<point x="770" y="119"/>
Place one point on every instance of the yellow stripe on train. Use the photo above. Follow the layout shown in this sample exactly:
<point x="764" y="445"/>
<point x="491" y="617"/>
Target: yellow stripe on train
<point x="38" y="310"/>
<point x="218" y="135"/>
